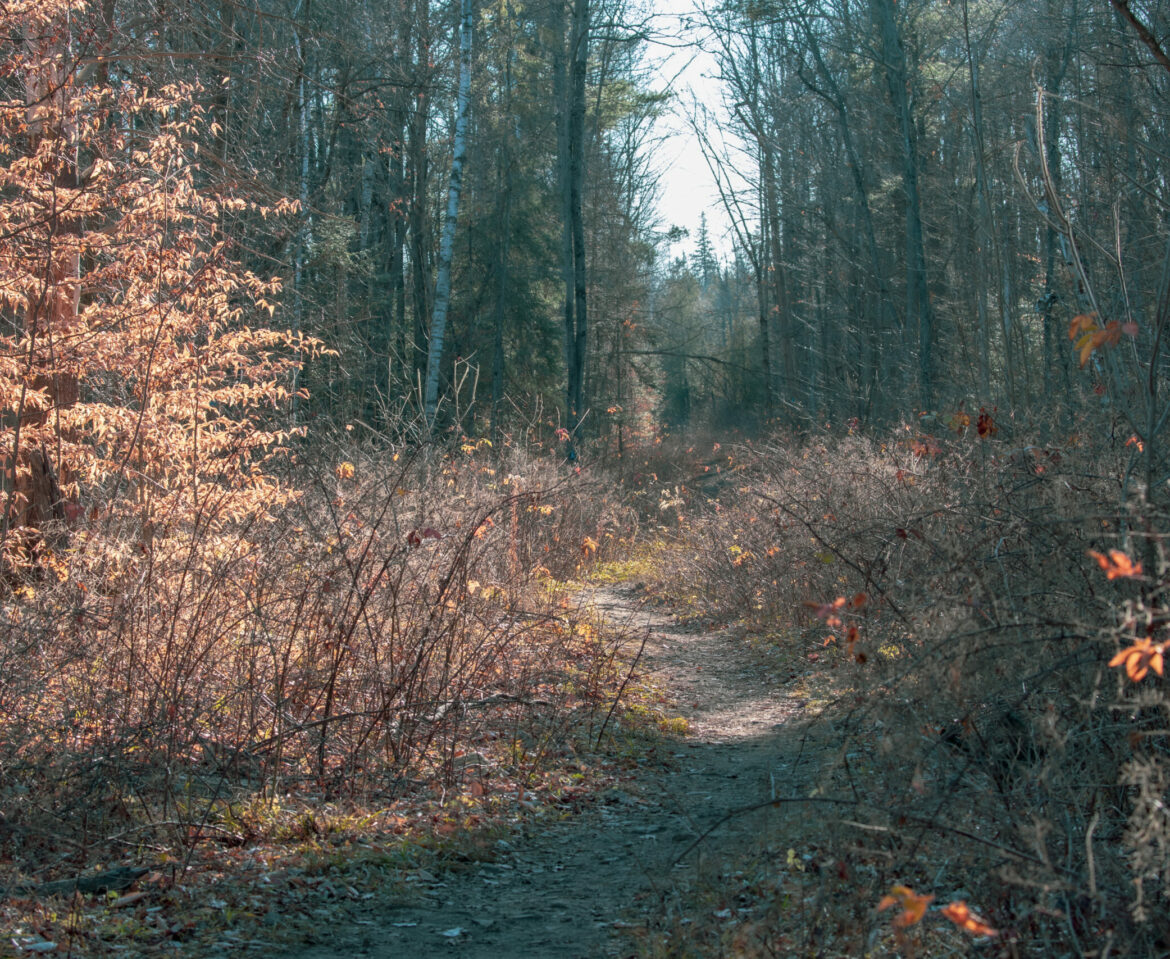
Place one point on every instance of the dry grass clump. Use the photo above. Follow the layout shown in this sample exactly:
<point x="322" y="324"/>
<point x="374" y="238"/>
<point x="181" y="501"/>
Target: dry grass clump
<point x="979" y="747"/>
<point x="396" y="630"/>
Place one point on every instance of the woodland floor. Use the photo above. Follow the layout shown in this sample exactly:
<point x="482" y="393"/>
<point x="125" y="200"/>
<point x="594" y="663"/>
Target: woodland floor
<point x="621" y="868"/>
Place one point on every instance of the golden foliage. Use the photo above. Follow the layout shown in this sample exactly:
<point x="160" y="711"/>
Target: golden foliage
<point x="171" y="384"/>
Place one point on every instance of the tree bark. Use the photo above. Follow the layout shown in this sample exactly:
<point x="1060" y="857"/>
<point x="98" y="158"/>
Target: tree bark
<point x="418" y="161"/>
<point x="580" y="46"/>
<point x="919" y="312"/>
<point x="569" y="93"/>
<point x="887" y="320"/>
<point x="502" y="266"/>
<point x="447" y="245"/>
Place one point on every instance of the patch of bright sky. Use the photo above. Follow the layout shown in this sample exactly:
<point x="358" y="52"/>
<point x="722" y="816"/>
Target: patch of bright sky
<point x="690" y="73"/>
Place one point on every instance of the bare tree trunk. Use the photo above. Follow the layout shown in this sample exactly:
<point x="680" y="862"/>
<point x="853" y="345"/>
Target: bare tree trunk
<point x="418" y="162"/>
<point x="569" y="93"/>
<point x="1056" y="61"/>
<point x="990" y="240"/>
<point x="305" y="229"/>
<point x="580" y="48"/>
<point x="503" y="277"/>
<point x="774" y="271"/>
<point x="886" y="321"/>
<point x="447" y="245"/>
<point x="919" y="311"/>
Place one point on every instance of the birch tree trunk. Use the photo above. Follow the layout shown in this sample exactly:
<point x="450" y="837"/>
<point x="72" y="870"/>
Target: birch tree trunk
<point x="447" y="245"/>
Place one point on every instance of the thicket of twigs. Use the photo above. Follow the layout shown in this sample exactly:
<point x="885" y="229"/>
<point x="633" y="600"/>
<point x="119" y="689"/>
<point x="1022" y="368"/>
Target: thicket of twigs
<point x="994" y="728"/>
<point x="394" y="630"/>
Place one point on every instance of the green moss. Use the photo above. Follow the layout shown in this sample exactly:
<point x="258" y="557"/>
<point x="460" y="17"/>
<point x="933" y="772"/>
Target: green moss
<point x="674" y="725"/>
<point x="621" y="570"/>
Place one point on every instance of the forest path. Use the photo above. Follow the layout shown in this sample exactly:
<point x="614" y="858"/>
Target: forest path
<point x="564" y="889"/>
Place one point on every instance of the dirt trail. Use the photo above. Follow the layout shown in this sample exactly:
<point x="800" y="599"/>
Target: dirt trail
<point x="564" y="890"/>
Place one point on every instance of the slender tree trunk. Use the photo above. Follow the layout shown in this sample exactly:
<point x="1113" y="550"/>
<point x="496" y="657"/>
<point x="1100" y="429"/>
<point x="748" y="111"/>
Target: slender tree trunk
<point x="989" y="240"/>
<point x="580" y="47"/>
<point x="774" y="266"/>
<point x="447" y="245"/>
<point x="305" y="228"/>
<point x="503" y="276"/>
<point x="569" y="92"/>
<point x="886" y="321"/>
<point x="919" y="312"/>
<point x="1056" y="61"/>
<point x="764" y="307"/>
<point x="392" y="314"/>
<point x="418" y="162"/>
<point x="560" y="71"/>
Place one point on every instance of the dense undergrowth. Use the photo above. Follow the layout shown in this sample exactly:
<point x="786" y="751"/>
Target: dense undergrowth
<point x="390" y="668"/>
<point x="936" y="600"/>
<point x="388" y="664"/>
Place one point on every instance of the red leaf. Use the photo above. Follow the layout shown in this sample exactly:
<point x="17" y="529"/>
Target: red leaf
<point x="965" y="919"/>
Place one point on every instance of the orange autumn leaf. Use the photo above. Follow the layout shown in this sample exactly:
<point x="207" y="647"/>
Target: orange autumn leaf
<point x="1117" y="565"/>
<point x="1095" y="337"/>
<point x="1086" y="346"/>
<point x="1084" y="323"/>
<point x="828" y="611"/>
<point x="913" y="906"/>
<point x="823" y="610"/>
<point x="961" y="915"/>
<point x="1140" y="658"/>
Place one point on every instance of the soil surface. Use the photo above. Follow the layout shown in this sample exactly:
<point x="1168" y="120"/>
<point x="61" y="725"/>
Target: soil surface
<point x="579" y="887"/>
